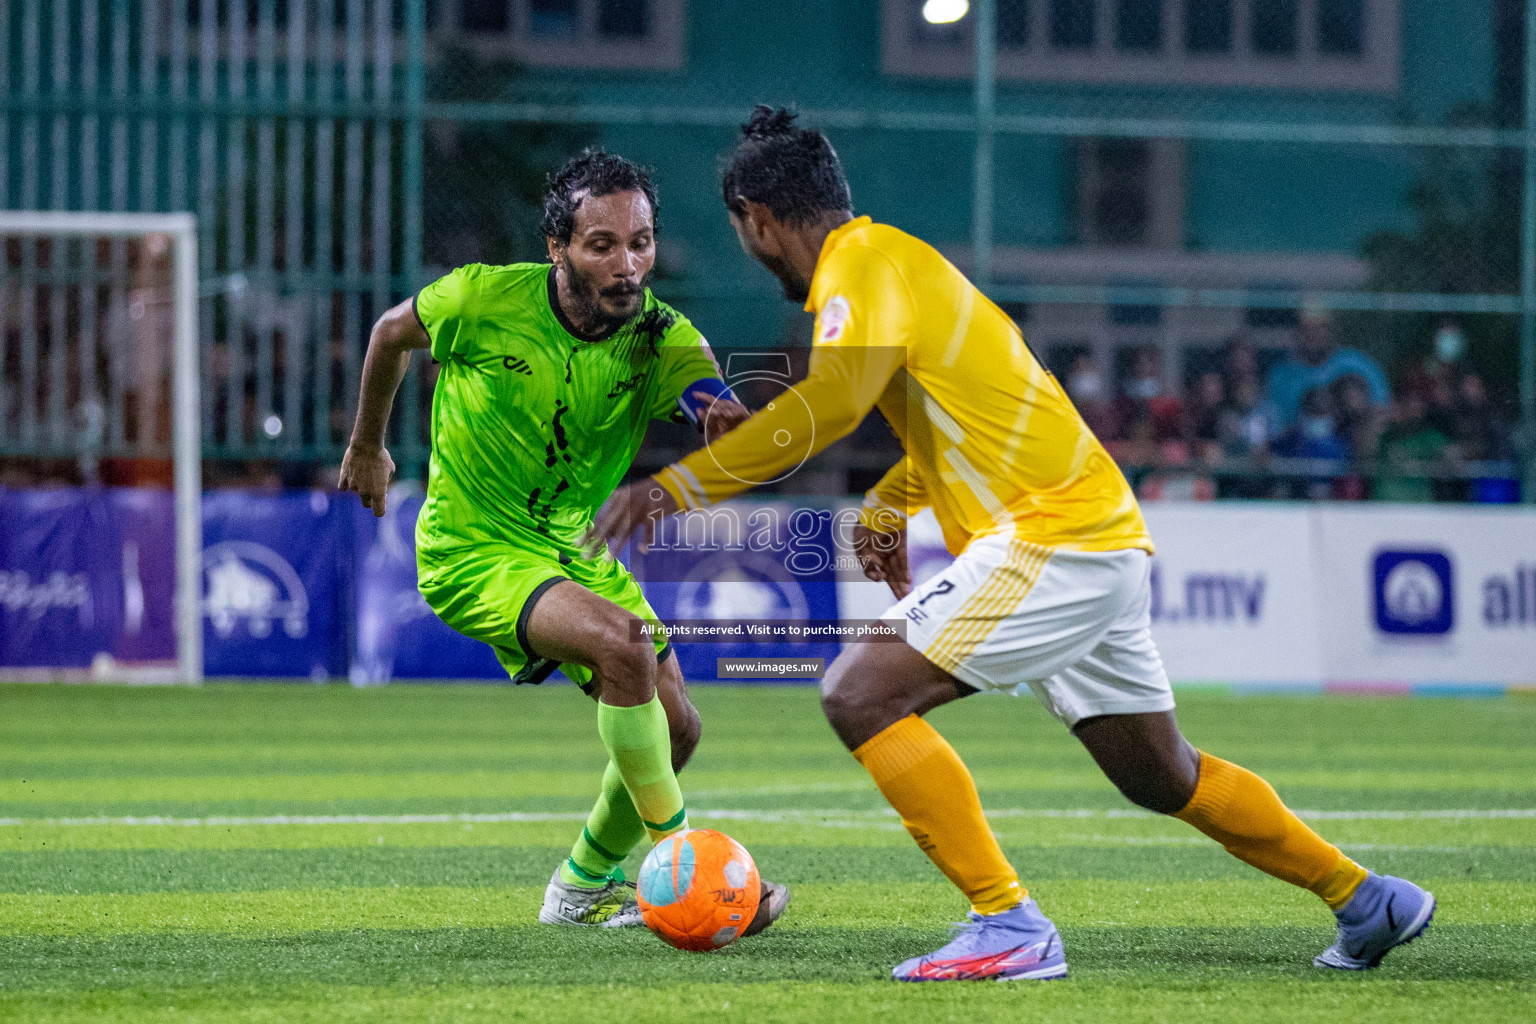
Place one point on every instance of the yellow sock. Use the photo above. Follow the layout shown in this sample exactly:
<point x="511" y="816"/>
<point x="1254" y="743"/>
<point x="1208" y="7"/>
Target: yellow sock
<point x="929" y="786"/>
<point x="1243" y="813"/>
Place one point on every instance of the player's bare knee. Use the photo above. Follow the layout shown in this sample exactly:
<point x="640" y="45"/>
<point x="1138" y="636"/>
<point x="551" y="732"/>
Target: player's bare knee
<point x="857" y="706"/>
<point x="626" y="671"/>
<point x="685" y="737"/>
<point x="838" y="701"/>
<point x="1156" y="785"/>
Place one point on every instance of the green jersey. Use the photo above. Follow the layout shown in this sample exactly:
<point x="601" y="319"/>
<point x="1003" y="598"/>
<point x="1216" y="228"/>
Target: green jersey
<point x="532" y="427"/>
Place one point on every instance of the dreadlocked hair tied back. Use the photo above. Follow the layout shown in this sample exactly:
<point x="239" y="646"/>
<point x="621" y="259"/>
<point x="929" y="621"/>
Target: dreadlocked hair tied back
<point x="592" y="172"/>
<point x="791" y="170"/>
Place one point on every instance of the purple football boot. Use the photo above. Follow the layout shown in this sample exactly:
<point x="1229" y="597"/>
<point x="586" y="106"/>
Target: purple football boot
<point x="1384" y="913"/>
<point x="1016" y="945"/>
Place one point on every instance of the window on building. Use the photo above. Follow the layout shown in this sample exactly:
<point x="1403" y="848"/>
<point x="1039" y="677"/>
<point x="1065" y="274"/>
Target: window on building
<point x="1208" y="26"/>
<point x="1259" y="316"/>
<point x="1116" y="177"/>
<point x="1274" y="28"/>
<point x="1271" y="44"/>
<point x="623" y="19"/>
<point x="1341" y="27"/>
<point x="1073" y="23"/>
<point x="485" y="16"/>
<point x="1122" y="315"/>
<point x="553" y="19"/>
<point x="620" y="34"/>
<point x="951" y="35"/>
<point x="1012" y="24"/>
<point x="1139" y="25"/>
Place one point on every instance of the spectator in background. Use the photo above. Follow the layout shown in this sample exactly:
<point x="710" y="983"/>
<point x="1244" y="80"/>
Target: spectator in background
<point x="1205" y="410"/>
<point x="1480" y="433"/>
<point x="1317" y="362"/>
<point x="1360" y="426"/>
<point x="1435" y="377"/>
<point x="1248" y="424"/>
<point x="1239" y="361"/>
<point x="1244" y="430"/>
<point x="1410" y="448"/>
<point x="1088" y="391"/>
<point x="1144" y="397"/>
<point x="1360" y="421"/>
<point x="1314" y="436"/>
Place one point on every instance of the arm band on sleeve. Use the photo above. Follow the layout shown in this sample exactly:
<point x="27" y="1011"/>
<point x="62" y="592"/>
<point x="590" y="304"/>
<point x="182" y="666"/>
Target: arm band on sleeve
<point x="694" y="409"/>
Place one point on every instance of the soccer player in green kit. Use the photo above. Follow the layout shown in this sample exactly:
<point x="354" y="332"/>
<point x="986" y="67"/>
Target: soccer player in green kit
<point x="550" y="375"/>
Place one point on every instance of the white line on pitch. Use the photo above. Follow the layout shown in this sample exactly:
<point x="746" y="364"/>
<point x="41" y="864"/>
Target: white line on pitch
<point x="834" y="818"/>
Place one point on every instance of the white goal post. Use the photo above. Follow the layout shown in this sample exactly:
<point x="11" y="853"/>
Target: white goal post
<point x="181" y="230"/>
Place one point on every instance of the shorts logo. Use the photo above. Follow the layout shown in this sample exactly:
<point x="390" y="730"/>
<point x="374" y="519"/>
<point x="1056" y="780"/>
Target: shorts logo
<point x="1415" y="593"/>
<point x="939" y="590"/>
<point x="517" y="365"/>
<point x="834" y="319"/>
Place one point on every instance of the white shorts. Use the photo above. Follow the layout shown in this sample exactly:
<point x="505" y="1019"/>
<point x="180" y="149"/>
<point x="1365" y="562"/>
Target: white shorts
<point x="1073" y="626"/>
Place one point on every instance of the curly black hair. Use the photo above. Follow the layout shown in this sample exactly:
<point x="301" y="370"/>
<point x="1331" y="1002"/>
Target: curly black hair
<point x="791" y="170"/>
<point x="593" y="172"/>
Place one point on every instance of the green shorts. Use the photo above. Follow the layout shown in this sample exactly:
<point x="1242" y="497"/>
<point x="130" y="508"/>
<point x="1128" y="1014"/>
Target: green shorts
<point x="488" y="593"/>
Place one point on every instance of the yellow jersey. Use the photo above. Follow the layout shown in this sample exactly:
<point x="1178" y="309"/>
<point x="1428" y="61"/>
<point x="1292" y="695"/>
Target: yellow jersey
<point x="992" y="442"/>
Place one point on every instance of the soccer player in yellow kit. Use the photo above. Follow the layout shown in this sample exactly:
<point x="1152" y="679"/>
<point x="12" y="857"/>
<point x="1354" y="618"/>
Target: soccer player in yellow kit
<point x="1049" y="589"/>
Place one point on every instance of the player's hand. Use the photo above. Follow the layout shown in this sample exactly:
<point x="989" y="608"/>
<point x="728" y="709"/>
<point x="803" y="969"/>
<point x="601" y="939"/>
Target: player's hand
<point x="640" y="506"/>
<point x="883" y="557"/>
<point x="367" y="473"/>
<point x="721" y="415"/>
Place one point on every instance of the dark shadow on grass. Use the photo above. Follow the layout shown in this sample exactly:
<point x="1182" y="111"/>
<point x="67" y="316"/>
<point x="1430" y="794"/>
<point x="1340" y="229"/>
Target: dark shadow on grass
<point x="552" y="956"/>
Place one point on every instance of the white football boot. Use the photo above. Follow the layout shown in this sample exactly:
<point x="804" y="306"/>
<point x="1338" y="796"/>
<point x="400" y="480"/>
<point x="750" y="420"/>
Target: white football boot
<point x="609" y="906"/>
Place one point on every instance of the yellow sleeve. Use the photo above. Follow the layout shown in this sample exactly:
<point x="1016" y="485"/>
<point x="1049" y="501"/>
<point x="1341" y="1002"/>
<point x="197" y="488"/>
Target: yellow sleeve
<point x="849" y="368"/>
<point x="899" y="494"/>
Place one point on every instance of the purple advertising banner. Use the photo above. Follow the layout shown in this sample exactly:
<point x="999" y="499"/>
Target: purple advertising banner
<point x="61" y="582"/>
<point x="148" y="563"/>
<point x="307" y="584"/>
<point x="398" y="636"/>
<point x="274" y="585"/>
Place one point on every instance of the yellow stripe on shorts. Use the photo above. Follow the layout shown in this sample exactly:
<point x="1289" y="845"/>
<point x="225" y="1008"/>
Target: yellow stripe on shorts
<point x="1005" y="586"/>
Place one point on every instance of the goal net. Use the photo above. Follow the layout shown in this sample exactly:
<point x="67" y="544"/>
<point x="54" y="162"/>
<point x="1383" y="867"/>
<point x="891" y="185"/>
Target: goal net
<point x="99" y="384"/>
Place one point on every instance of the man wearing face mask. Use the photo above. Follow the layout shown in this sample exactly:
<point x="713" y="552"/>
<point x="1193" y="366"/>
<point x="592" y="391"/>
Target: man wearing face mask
<point x="1085" y="386"/>
<point x="1315" y="436"/>
<point x="1317" y="362"/>
<point x="1436" y="377"/>
<point x="551" y="373"/>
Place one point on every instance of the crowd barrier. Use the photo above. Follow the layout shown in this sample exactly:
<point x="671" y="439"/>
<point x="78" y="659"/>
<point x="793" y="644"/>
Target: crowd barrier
<point x="311" y="585"/>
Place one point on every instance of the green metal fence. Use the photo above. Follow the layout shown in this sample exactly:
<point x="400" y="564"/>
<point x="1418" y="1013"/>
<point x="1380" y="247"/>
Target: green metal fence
<point x="296" y="132"/>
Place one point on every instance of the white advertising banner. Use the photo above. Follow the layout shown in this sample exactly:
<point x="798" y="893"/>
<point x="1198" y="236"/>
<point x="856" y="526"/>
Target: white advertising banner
<point x="1234" y="593"/>
<point x="1386" y="596"/>
<point x="1428" y="595"/>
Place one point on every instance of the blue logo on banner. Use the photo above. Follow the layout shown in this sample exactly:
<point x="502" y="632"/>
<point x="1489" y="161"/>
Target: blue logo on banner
<point x="1415" y="593"/>
<point x="273" y="598"/>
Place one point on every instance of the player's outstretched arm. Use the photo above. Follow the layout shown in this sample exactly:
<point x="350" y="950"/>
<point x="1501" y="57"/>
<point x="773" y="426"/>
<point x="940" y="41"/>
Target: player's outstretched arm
<point x="367" y="467"/>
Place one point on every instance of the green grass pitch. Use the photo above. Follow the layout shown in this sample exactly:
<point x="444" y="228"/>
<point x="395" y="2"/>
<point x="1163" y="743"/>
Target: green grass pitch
<point x="385" y="906"/>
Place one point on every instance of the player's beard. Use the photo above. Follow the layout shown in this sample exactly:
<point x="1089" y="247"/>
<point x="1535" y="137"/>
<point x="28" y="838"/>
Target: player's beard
<point x="598" y="310"/>
<point x="796" y="289"/>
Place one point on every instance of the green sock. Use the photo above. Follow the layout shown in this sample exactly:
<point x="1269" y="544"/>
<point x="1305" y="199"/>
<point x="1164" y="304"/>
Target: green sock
<point x="640" y="746"/>
<point x="613" y="829"/>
